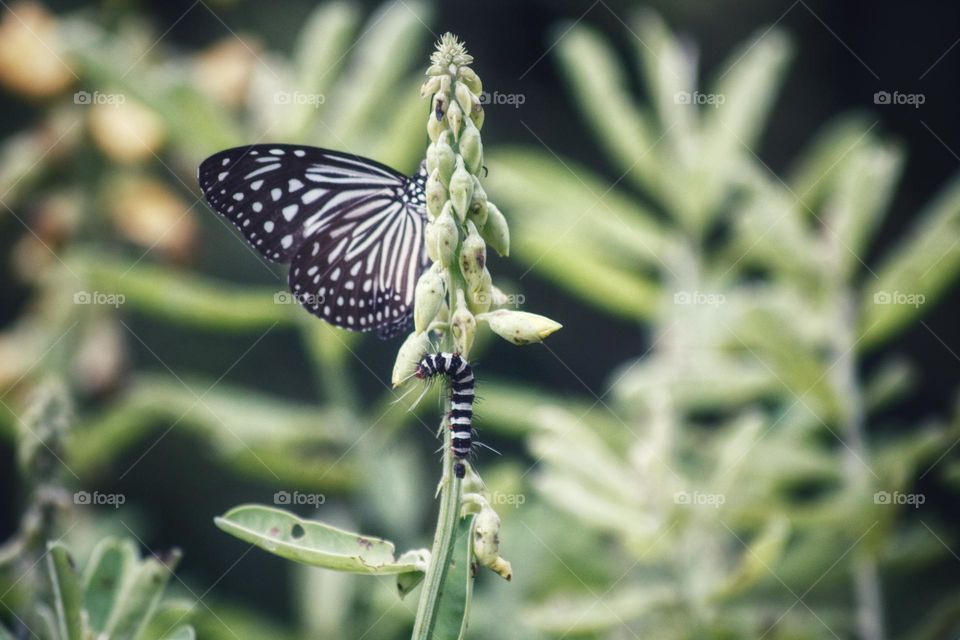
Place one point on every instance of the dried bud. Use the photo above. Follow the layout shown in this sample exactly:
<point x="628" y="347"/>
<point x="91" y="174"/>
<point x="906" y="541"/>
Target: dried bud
<point x="473" y="257"/>
<point x="436" y="193"/>
<point x="463" y="325"/>
<point x="455" y="118"/>
<point x="486" y="542"/>
<point x="461" y="190"/>
<point x="470" y="78"/>
<point x="446" y="236"/>
<point x="428" y="298"/>
<point x="520" y="327"/>
<point x="446" y="158"/>
<point x="409" y="355"/>
<point x="495" y="231"/>
<point x="471" y="147"/>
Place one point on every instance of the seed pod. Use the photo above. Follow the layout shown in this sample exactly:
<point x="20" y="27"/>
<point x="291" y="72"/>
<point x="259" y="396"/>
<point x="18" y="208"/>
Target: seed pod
<point x="464" y="98"/>
<point x="473" y="257"/>
<point x="470" y="78"/>
<point x="446" y="236"/>
<point x="481" y="295"/>
<point x="477" y="211"/>
<point x="495" y="231"/>
<point x="463" y="326"/>
<point x="446" y="157"/>
<point x="436" y="193"/>
<point x="428" y="297"/>
<point x="520" y="327"/>
<point x="471" y="148"/>
<point x="409" y="355"/>
<point x="461" y="189"/>
<point x="430" y="87"/>
<point x="455" y="119"/>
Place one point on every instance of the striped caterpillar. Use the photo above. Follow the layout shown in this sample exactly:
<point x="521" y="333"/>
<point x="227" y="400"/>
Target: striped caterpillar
<point x="460" y="375"/>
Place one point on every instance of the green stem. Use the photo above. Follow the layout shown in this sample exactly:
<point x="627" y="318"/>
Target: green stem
<point x="433" y="582"/>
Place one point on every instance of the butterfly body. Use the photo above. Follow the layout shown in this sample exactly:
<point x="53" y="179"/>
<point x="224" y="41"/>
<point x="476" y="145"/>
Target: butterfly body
<point x="350" y="228"/>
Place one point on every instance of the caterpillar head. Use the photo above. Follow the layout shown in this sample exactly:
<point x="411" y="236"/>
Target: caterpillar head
<point x="423" y="371"/>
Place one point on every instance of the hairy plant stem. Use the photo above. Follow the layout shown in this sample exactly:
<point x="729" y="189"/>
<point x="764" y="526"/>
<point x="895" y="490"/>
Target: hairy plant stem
<point x="433" y="582"/>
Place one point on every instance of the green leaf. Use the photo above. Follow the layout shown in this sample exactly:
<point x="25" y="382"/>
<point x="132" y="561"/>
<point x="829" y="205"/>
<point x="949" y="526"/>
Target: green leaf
<point x="407" y="582"/>
<point x="139" y="596"/>
<point x="453" y="606"/>
<point x="311" y="542"/>
<point x="67" y="593"/>
<point x="916" y="272"/>
<point x="110" y="564"/>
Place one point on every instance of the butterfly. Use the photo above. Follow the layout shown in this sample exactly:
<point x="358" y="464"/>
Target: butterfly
<point x="350" y="228"/>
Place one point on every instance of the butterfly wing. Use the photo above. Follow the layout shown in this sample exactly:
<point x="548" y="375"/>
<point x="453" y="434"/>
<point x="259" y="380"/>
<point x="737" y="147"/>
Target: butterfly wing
<point x="351" y="228"/>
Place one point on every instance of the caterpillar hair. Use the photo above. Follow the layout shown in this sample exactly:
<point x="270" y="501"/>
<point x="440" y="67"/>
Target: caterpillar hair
<point x="460" y="377"/>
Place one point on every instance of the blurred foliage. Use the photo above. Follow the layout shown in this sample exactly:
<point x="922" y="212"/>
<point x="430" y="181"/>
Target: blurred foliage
<point x="729" y="484"/>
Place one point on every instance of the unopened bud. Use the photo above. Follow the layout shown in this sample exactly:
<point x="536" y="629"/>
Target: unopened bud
<point x="461" y="190"/>
<point x="478" y="115"/>
<point x="455" y="118"/>
<point x="481" y="293"/>
<point x="446" y="236"/>
<point x="436" y="70"/>
<point x="409" y="355"/>
<point x="436" y="193"/>
<point x="428" y="298"/>
<point x="477" y="211"/>
<point x="471" y="148"/>
<point x="473" y="256"/>
<point x="446" y="158"/>
<point x="430" y="240"/>
<point x="486" y="542"/>
<point x="435" y="128"/>
<point x="495" y="231"/>
<point x="520" y="327"/>
<point x="464" y="98"/>
<point x="470" y="78"/>
<point x="463" y="326"/>
<point x="430" y="87"/>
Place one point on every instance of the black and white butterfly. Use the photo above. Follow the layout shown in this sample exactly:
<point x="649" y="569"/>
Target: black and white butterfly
<point x="350" y="228"/>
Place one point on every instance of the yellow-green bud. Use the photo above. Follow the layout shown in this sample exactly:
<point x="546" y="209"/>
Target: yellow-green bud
<point x="436" y="193"/>
<point x="428" y="297"/>
<point x="478" y="115"/>
<point x="486" y="542"/>
<point x="409" y="355"/>
<point x="481" y="294"/>
<point x="464" y="97"/>
<point x="446" y="158"/>
<point x="461" y="189"/>
<point x="520" y="327"/>
<point x="431" y="86"/>
<point x="435" y="127"/>
<point x="431" y="157"/>
<point x="473" y="256"/>
<point x="430" y="239"/>
<point x="455" y="118"/>
<point x="463" y="325"/>
<point x="471" y="148"/>
<point x="446" y="236"/>
<point x="470" y="78"/>
<point x="477" y="212"/>
<point x="436" y="70"/>
<point x="495" y="231"/>
<point x="445" y="85"/>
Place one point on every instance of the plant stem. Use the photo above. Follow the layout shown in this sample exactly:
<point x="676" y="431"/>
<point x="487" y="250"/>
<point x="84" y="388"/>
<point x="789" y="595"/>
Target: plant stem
<point x="433" y="582"/>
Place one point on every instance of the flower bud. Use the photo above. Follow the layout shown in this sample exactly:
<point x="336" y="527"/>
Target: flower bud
<point x="477" y="115"/>
<point x="435" y="128"/>
<point x="461" y="190"/>
<point x="481" y="294"/>
<point x="470" y="78"/>
<point x="486" y="542"/>
<point x="436" y="193"/>
<point x="436" y="70"/>
<point x="473" y="256"/>
<point x="430" y="87"/>
<point x="455" y="118"/>
<point x="409" y="355"/>
<point x="495" y="231"/>
<point x="471" y="148"/>
<point x="445" y="84"/>
<point x="428" y="297"/>
<point x="463" y="325"/>
<point x="431" y="157"/>
<point x="520" y="327"/>
<point x="477" y="211"/>
<point x="430" y="240"/>
<point x="446" y="236"/>
<point x="465" y="98"/>
<point x="446" y="158"/>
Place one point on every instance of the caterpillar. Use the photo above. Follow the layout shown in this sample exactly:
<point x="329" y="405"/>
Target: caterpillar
<point x="460" y="375"/>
